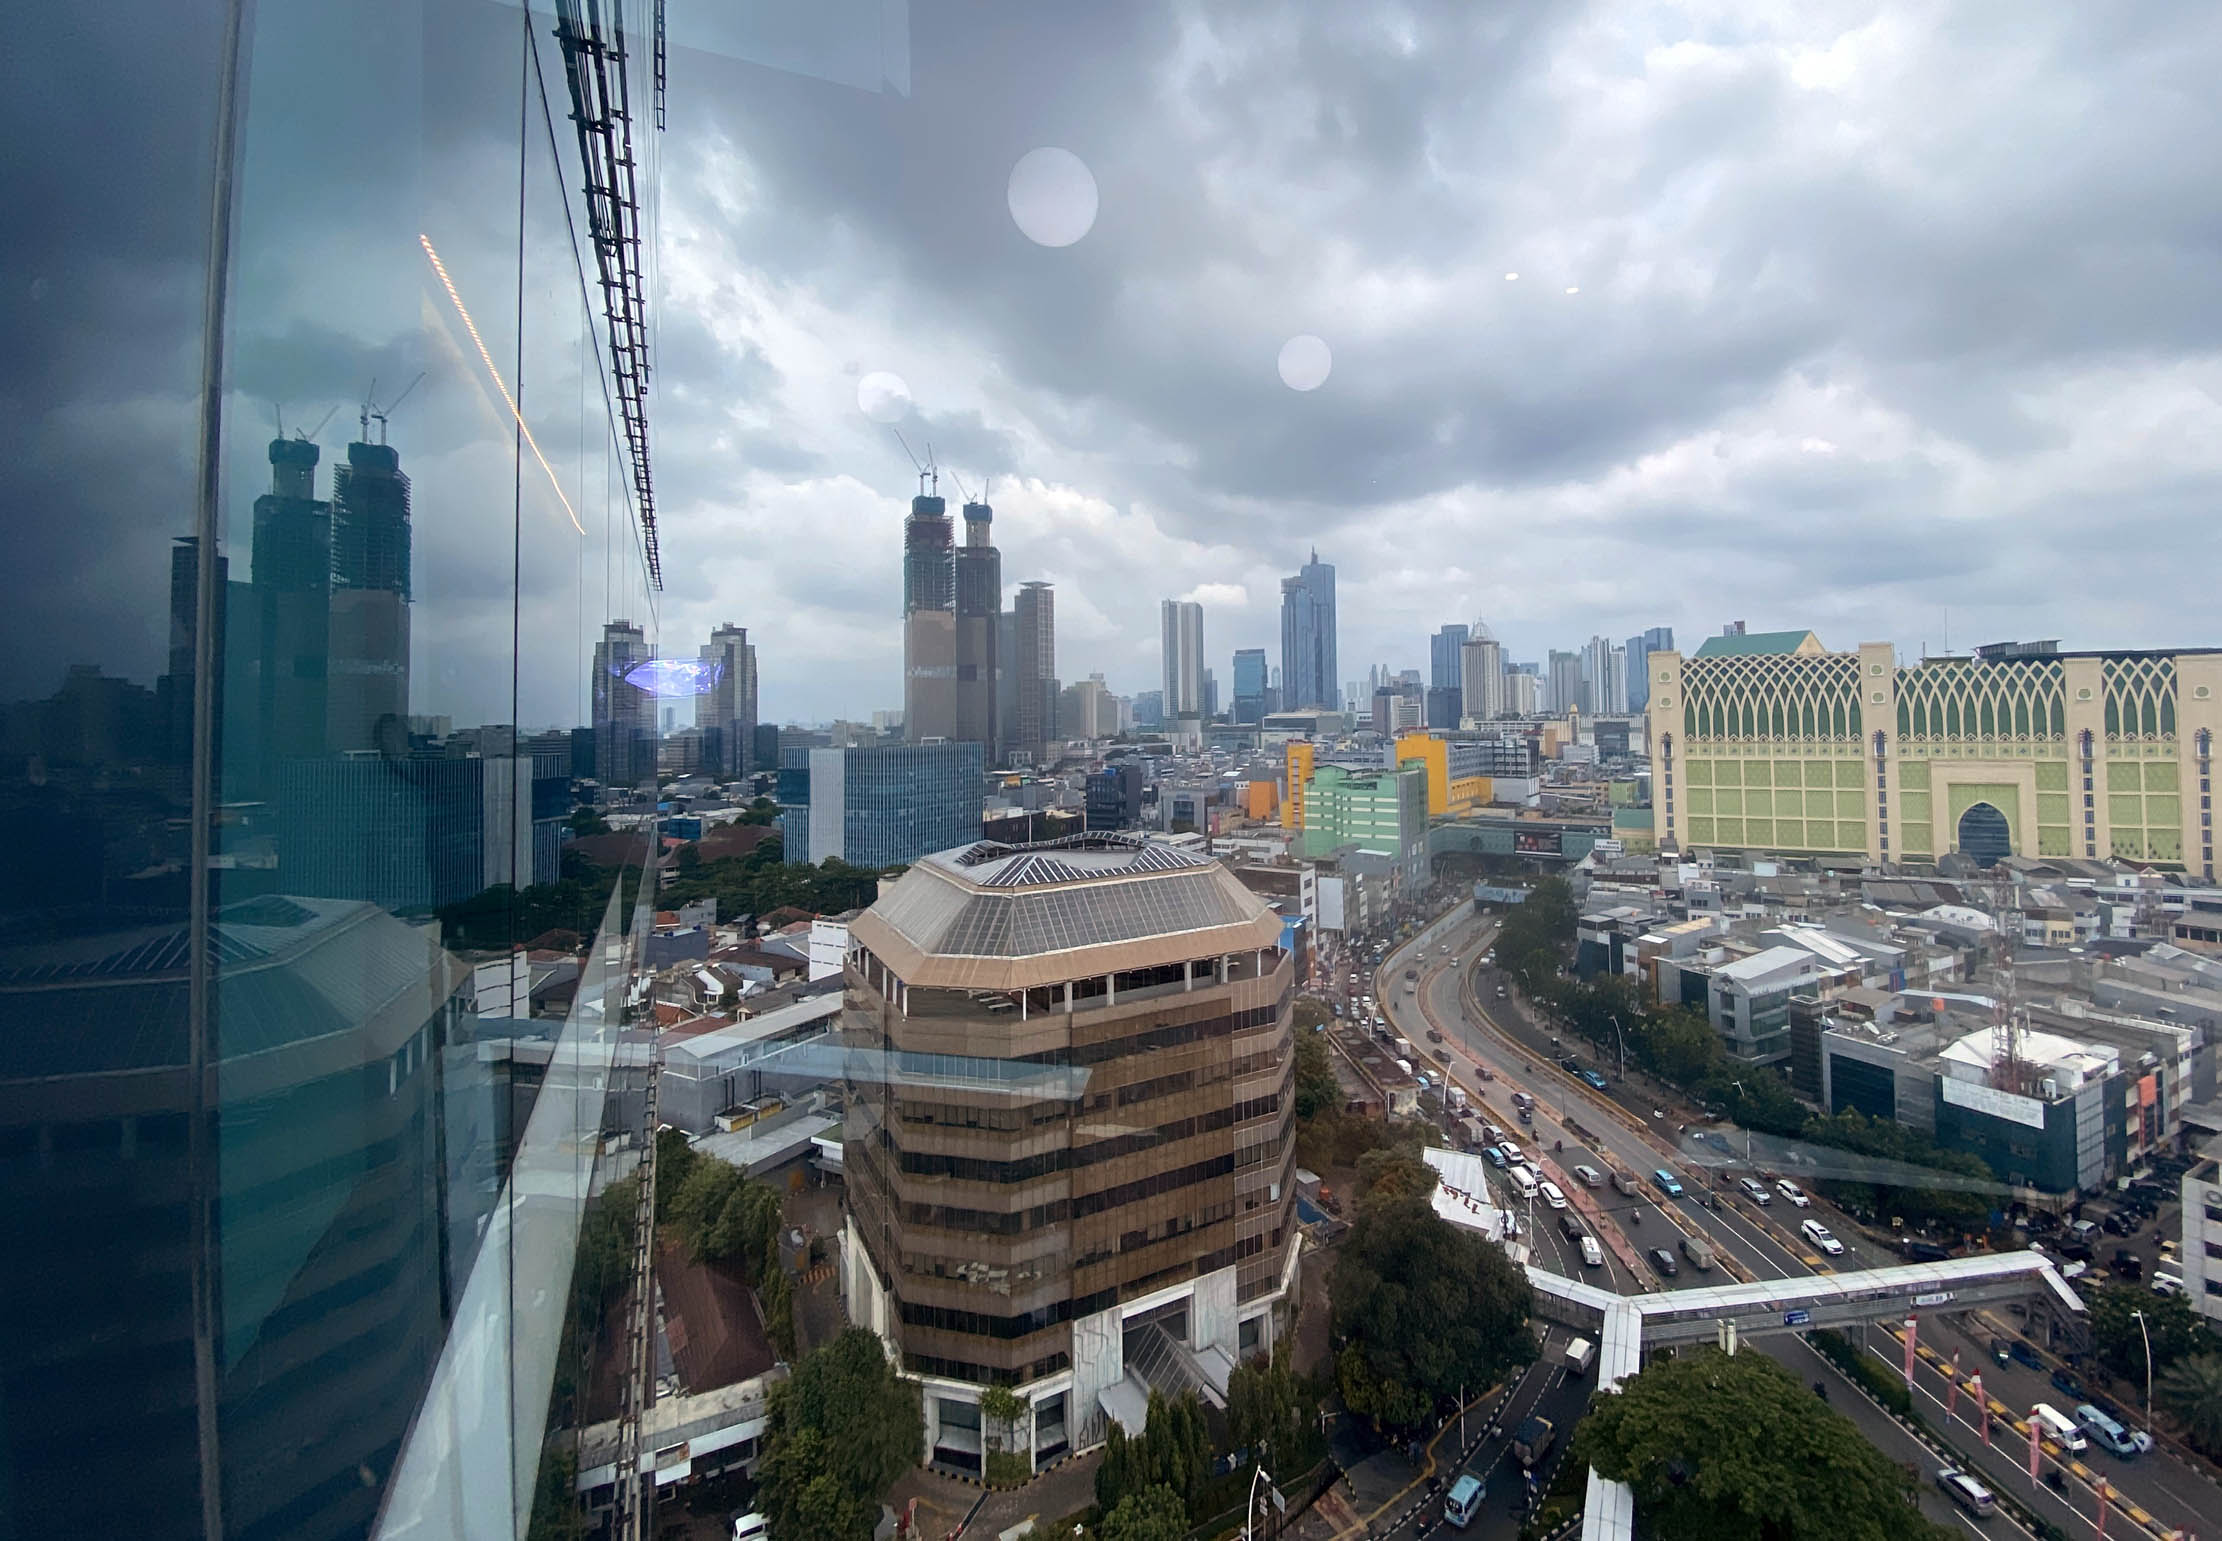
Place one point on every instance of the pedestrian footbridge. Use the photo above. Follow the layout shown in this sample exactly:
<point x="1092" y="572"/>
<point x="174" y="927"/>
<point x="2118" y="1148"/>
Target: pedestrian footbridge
<point x="1624" y="1326"/>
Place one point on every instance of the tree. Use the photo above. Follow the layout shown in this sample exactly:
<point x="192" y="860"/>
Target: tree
<point x="2192" y="1390"/>
<point x="2174" y="1328"/>
<point x="1421" y="1308"/>
<point x="1173" y="1451"/>
<point x="1154" y="1513"/>
<point x="1002" y="1408"/>
<point x="585" y="821"/>
<point x="1736" y="1448"/>
<point x="841" y="1429"/>
<point x="1271" y="1412"/>
<point x="1317" y="1090"/>
<point x="1394" y="1171"/>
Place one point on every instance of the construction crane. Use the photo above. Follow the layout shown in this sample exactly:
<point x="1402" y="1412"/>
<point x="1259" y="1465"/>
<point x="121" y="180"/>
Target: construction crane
<point x="373" y="412"/>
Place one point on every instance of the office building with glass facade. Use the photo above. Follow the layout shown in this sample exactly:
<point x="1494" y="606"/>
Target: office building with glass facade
<point x="1075" y="1176"/>
<point x="1769" y="741"/>
<point x="888" y="806"/>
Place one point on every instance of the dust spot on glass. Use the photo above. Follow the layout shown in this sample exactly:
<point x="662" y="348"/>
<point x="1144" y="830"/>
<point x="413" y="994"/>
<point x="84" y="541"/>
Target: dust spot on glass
<point x="1304" y="363"/>
<point x="1052" y="196"/>
<point x="1511" y="278"/>
<point x="1573" y="288"/>
<point x="883" y="397"/>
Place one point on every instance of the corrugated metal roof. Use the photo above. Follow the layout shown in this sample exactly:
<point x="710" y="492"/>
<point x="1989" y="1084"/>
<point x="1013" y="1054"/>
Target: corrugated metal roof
<point x="1759" y="642"/>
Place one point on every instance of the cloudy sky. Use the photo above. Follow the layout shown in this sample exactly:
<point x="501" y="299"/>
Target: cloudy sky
<point x="1891" y="321"/>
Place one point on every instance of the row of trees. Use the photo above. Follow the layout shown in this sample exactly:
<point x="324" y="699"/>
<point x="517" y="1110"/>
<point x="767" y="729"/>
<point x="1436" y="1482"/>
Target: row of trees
<point x="1422" y="1310"/>
<point x="719" y="1215"/>
<point x="2186" y="1362"/>
<point x="1679" y="1046"/>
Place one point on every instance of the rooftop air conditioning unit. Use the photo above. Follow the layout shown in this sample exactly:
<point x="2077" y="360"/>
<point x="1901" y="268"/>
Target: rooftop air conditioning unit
<point x="2051" y="1089"/>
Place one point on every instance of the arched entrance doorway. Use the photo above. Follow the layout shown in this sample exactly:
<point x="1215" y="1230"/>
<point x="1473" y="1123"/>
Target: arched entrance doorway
<point x="1985" y="835"/>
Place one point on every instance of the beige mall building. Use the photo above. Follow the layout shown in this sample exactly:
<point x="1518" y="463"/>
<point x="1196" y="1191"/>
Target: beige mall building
<point x="1773" y="742"/>
<point x="1070" y="1141"/>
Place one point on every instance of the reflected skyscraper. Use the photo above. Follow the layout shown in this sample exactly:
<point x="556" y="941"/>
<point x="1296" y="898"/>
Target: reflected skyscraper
<point x="368" y="670"/>
<point x="624" y="714"/>
<point x="726" y="711"/>
<point x="290" y="630"/>
<point x="1308" y="664"/>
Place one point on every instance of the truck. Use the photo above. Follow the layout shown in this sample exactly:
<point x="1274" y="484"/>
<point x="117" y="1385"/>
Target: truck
<point x="1625" y="1182"/>
<point x="1458" y="1102"/>
<point x="1699" y="1251"/>
<point x="1580" y="1355"/>
<point x="1531" y="1441"/>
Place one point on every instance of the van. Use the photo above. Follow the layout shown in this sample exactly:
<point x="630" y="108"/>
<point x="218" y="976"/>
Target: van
<point x="1589" y="1177"/>
<point x="1668" y="1183"/>
<point x="1969" y="1494"/>
<point x="1463" y="1501"/>
<point x="1699" y="1251"/>
<point x="750" y="1527"/>
<point x="1523" y="1181"/>
<point x="1523" y="1100"/>
<point x="1593" y="1255"/>
<point x="2108" y="1431"/>
<point x="1571" y="1228"/>
<point x="2058" y="1427"/>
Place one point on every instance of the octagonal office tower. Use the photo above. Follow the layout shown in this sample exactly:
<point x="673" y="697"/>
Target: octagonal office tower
<point x="1070" y="1142"/>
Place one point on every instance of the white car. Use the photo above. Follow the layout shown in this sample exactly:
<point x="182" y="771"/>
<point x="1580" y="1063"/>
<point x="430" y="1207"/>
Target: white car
<point x="1754" y="1192"/>
<point x="1553" y="1194"/>
<point x="1513" y="1156"/>
<point x="1821" y="1236"/>
<point x="1792" y="1192"/>
<point x="1593" y="1255"/>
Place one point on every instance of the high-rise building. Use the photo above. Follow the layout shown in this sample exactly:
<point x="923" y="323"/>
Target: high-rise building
<point x="1565" y="690"/>
<point x="1087" y="710"/>
<point x="1149" y="709"/>
<point x="1523" y="692"/>
<point x="624" y="713"/>
<point x="369" y="658"/>
<point x="1034" y="692"/>
<point x="929" y="621"/>
<point x="726" y="711"/>
<point x="1211" y="696"/>
<point x="1482" y="692"/>
<point x="1604" y="677"/>
<point x="1446" y="676"/>
<point x="174" y="691"/>
<point x="1182" y="631"/>
<point x="289" y="629"/>
<point x="1164" y="983"/>
<point x="1659" y="639"/>
<point x="1250" y="685"/>
<point x="414" y="832"/>
<point x="1309" y="668"/>
<point x="979" y="606"/>
<point x="889" y="806"/>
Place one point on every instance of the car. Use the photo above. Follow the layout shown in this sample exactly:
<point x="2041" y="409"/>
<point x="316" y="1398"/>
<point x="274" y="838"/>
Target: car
<point x="1493" y="1156"/>
<point x="1443" y="1055"/>
<point x="1589" y="1177"/>
<point x="1500" y="992"/>
<point x="1791" y="1191"/>
<point x="1593" y="1255"/>
<point x="1513" y="1155"/>
<point x="1754" y="1192"/>
<point x="1668" y="1183"/>
<point x="1594" y="1079"/>
<point x="1491" y="1134"/>
<point x="1821" y="1236"/>
<point x="1968" y="1493"/>
<point x="1523" y="1099"/>
<point x="1662" y="1262"/>
<point x="1553" y="1195"/>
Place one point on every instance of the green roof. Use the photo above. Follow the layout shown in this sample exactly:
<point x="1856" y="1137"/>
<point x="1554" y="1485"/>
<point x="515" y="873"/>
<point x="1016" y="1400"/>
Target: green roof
<point x="1759" y="642"/>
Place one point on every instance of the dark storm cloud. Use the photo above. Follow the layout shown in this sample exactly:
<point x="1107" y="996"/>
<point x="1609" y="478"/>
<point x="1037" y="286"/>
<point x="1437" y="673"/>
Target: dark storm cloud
<point x="1881" y="309"/>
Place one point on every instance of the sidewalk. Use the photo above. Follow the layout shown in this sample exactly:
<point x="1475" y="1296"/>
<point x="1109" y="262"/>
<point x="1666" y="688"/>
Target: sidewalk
<point x="944" y="1501"/>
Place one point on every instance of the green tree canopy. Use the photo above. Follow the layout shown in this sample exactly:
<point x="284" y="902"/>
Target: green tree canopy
<point x="2175" y="1329"/>
<point x="1421" y="1308"/>
<point x="1317" y="1090"/>
<point x="1272" y="1413"/>
<point x="1173" y="1451"/>
<point x="1154" y="1513"/>
<point x="842" y="1429"/>
<point x="1736" y="1448"/>
<point x="2192" y="1390"/>
<point x="1394" y="1171"/>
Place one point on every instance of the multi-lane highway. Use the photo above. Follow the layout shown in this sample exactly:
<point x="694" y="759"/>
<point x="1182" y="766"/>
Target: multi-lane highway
<point x="1574" y="1124"/>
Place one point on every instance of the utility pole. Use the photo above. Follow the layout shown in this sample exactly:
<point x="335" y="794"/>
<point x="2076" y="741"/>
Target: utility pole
<point x="2148" y="1337"/>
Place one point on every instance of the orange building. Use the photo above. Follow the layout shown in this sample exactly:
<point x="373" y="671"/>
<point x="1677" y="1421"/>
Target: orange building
<point x="1298" y="777"/>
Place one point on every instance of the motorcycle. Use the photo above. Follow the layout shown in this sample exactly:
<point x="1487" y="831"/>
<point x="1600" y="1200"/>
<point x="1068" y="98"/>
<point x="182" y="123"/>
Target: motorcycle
<point x="1635" y="1216"/>
<point x="1557" y="1145"/>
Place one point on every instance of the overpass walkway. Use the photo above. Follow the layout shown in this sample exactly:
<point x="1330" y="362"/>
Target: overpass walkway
<point x="1623" y="1326"/>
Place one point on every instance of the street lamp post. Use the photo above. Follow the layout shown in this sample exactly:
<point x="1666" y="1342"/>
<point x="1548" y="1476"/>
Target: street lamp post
<point x="1250" y="1505"/>
<point x="2148" y="1337"/>
<point x="1622" y="1039"/>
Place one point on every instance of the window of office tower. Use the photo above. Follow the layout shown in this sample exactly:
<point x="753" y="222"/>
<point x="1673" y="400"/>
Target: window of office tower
<point x="526" y="518"/>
